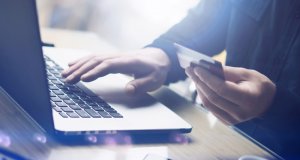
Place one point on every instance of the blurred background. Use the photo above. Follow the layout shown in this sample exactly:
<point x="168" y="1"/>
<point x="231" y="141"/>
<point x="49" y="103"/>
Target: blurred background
<point x="126" y="24"/>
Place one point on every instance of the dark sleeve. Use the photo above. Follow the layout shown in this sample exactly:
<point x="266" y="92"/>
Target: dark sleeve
<point x="203" y="29"/>
<point x="279" y="128"/>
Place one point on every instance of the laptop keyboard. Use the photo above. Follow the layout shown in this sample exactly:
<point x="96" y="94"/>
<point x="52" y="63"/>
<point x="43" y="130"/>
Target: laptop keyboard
<point x="70" y="101"/>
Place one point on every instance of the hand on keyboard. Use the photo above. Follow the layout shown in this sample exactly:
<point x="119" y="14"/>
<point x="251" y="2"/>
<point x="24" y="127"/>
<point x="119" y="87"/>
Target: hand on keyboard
<point x="149" y="67"/>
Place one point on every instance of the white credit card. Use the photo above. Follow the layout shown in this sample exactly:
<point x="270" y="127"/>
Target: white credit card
<point x="186" y="56"/>
<point x="191" y="58"/>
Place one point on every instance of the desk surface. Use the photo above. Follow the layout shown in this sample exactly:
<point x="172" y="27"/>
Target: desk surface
<point x="209" y="139"/>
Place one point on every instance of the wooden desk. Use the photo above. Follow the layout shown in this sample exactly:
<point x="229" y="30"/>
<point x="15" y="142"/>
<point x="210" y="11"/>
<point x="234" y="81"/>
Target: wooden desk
<point x="209" y="139"/>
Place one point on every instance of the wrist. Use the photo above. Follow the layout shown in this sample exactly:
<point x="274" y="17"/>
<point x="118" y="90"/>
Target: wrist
<point x="161" y="57"/>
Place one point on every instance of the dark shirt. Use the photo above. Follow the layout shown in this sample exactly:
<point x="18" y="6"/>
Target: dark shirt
<point x="257" y="34"/>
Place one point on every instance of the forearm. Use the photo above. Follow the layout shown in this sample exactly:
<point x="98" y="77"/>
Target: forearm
<point x="203" y="29"/>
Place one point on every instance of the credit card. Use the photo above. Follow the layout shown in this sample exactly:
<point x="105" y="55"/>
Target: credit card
<point x="190" y="58"/>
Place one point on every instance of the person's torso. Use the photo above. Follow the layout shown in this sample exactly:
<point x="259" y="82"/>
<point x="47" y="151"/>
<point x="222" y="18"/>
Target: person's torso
<point x="264" y="35"/>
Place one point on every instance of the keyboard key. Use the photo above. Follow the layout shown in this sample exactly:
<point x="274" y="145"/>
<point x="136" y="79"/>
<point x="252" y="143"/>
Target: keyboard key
<point x="65" y="89"/>
<point x="60" y="86"/>
<point x="72" y="115"/>
<point x="67" y="109"/>
<point x="68" y="85"/>
<point x="92" y="113"/>
<point x="58" y="92"/>
<point x="64" y="115"/>
<point x="51" y="77"/>
<point x="53" y="88"/>
<point x="81" y="94"/>
<point x="64" y="97"/>
<point x="104" y="105"/>
<point x="58" y="75"/>
<point x="73" y="96"/>
<point x="87" y="99"/>
<point x="75" y="90"/>
<point x="53" y="104"/>
<point x="82" y="114"/>
<point x="68" y="92"/>
<point x="58" y="68"/>
<point x="50" y="68"/>
<point x="97" y="108"/>
<point x="104" y="114"/>
<point x="52" y="94"/>
<point x="55" y="99"/>
<point x="53" y="71"/>
<point x="92" y="104"/>
<point x="75" y="107"/>
<point x="110" y="110"/>
<point x="56" y="81"/>
<point x="116" y="115"/>
<point x="69" y="102"/>
<point x="84" y="106"/>
<point x="61" y="104"/>
<point x="97" y="99"/>
<point x="57" y="109"/>
<point x="78" y="101"/>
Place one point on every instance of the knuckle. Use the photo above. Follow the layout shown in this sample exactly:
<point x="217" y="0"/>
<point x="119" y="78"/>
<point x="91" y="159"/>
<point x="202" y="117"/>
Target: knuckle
<point x="106" y="64"/>
<point x="244" y="72"/>
<point x="110" y="62"/>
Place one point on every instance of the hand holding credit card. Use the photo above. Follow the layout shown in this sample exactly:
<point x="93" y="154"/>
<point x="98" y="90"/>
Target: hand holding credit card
<point x="191" y="58"/>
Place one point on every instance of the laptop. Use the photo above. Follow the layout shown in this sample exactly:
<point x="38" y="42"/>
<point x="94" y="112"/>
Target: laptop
<point x="33" y="80"/>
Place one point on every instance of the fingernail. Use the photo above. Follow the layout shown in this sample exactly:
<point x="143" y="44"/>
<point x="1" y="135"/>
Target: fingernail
<point x="83" y="77"/>
<point x="69" y="78"/>
<point x="130" y="89"/>
<point x="66" y="80"/>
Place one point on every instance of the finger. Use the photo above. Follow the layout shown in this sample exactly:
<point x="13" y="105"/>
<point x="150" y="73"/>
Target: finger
<point x="76" y="75"/>
<point x="142" y="85"/>
<point x="116" y="65"/>
<point x="219" y="101"/>
<point x="234" y="74"/>
<point x="226" y="89"/>
<point x="219" y="113"/>
<point x="229" y="107"/>
<point x="74" y="67"/>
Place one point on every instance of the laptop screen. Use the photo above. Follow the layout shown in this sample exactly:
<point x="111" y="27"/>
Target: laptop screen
<point x="22" y="67"/>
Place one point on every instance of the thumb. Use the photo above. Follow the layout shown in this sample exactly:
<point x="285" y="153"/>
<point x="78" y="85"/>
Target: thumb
<point x="234" y="74"/>
<point x="141" y="85"/>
